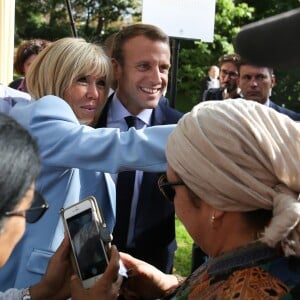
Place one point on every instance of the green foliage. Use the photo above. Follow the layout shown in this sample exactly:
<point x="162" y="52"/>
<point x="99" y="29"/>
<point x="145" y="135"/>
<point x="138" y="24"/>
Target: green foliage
<point x="182" y="263"/>
<point x="287" y="89"/>
<point x="93" y="18"/>
<point x="96" y="16"/>
<point x="96" y="19"/>
<point x="230" y="17"/>
<point x="195" y="60"/>
<point x="41" y="19"/>
<point x="263" y="9"/>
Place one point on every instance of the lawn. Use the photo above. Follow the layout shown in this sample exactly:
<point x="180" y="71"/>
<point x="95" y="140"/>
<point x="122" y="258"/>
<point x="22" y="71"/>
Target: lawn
<point x="183" y="255"/>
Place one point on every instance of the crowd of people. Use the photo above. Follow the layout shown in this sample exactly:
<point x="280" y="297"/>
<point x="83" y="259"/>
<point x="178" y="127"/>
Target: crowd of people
<point x="226" y="168"/>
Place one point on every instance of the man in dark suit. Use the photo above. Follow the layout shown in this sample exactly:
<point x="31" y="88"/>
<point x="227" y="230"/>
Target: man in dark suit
<point x="256" y="83"/>
<point x="141" y="62"/>
<point x="211" y="81"/>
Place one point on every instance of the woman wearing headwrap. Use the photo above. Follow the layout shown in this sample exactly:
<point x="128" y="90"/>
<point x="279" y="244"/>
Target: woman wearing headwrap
<point x="233" y="173"/>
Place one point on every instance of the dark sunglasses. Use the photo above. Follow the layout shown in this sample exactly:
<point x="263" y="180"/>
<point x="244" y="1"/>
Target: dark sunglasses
<point x="35" y="212"/>
<point x="166" y="187"/>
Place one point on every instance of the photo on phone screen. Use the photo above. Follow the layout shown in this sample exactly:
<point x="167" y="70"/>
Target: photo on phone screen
<point x="88" y="248"/>
<point x="82" y="221"/>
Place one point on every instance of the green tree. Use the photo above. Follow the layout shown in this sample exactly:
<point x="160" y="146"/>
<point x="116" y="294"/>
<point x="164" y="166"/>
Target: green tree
<point x="99" y="17"/>
<point x="94" y="19"/>
<point x="263" y="9"/>
<point x="195" y="56"/>
<point x="41" y="19"/>
<point x="287" y="89"/>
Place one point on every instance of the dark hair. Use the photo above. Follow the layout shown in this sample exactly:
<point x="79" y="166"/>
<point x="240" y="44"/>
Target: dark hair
<point x="109" y="44"/>
<point x="233" y="58"/>
<point x="26" y="49"/>
<point x="19" y="163"/>
<point x="244" y="62"/>
<point x="149" y="31"/>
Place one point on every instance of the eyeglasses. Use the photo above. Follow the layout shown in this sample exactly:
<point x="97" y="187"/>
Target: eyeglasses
<point x="35" y="212"/>
<point x="232" y="75"/>
<point x="166" y="187"/>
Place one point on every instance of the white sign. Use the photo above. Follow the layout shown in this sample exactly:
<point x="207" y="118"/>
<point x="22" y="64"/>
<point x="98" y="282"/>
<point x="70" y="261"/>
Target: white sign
<point x="188" y="19"/>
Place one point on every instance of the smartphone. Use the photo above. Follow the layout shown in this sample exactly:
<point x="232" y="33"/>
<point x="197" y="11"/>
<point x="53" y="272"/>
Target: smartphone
<point x="89" y="240"/>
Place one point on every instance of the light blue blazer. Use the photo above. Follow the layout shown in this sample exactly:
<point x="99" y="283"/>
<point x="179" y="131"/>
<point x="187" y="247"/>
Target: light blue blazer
<point x="74" y="159"/>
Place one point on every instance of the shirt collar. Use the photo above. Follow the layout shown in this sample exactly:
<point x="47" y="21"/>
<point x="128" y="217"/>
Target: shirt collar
<point x="267" y="103"/>
<point x="119" y="112"/>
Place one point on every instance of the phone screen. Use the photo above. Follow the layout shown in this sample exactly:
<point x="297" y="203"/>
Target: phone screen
<point x="88" y="248"/>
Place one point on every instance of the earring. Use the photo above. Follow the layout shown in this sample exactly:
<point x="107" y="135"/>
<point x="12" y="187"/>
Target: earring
<point x="212" y="220"/>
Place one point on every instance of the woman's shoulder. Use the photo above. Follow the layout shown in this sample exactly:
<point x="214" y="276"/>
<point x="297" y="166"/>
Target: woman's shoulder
<point x="254" y="283"/>
<point x="53" y="103"/>
<point x="247" y="283"/>
<point x="42" y="111"/>
<point x="48" y="106"/>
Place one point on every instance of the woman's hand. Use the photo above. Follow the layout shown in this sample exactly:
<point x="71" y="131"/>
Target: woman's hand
<point x="56" y="282"/>
<point x="106" y="288"/>
<point x="144" y="280"/>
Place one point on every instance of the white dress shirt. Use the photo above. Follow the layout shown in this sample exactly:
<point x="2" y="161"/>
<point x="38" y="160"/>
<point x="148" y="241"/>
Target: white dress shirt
<point x="116" y="119"/>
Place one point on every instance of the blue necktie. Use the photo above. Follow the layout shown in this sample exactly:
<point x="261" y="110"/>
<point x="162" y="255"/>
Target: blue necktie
<point x="125" y="188"/>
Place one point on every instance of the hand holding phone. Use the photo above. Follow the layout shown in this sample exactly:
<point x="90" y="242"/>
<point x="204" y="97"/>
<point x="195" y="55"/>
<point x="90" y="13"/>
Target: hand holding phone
<point x="107" y="287"/>
<point x="90" y="239"/>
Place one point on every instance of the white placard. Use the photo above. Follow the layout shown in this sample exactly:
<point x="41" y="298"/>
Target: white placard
<point x="188" y="19"/>
<point x="7" y="30"/>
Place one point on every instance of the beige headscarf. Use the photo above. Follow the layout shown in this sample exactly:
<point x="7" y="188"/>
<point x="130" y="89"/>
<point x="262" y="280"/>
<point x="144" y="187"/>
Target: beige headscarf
<point x="240" y="155"/>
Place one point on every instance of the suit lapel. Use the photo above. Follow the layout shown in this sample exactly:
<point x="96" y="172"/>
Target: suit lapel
<point x="157" y="117"/>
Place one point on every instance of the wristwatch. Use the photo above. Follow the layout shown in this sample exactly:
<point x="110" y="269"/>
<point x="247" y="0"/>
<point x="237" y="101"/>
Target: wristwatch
<point x="25" y="295"/>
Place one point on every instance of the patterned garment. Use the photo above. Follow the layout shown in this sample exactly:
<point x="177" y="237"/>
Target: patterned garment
<point x="254" y="272"/>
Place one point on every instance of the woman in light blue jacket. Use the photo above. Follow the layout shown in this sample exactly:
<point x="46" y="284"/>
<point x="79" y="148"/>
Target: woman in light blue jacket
<point x="70" y="81"/>
<point x="19" y="166"/>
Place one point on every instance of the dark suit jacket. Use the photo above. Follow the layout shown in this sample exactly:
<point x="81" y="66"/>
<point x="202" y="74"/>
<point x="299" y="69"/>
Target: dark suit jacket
<point x="293" y="115"/>
<point x="203" y="86"/>
<point x="212" y="94"/>
<point x="155" y="221"/>
<point x="215" y="94"/>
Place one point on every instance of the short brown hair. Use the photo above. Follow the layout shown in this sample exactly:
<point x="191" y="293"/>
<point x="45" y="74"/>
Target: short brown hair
<point x="149" y="31"/>
<point x="233" y="58"/>
<point x="244" y="62"/>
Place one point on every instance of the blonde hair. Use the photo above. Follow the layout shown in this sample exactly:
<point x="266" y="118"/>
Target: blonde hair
<point x="64" y="61"/>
